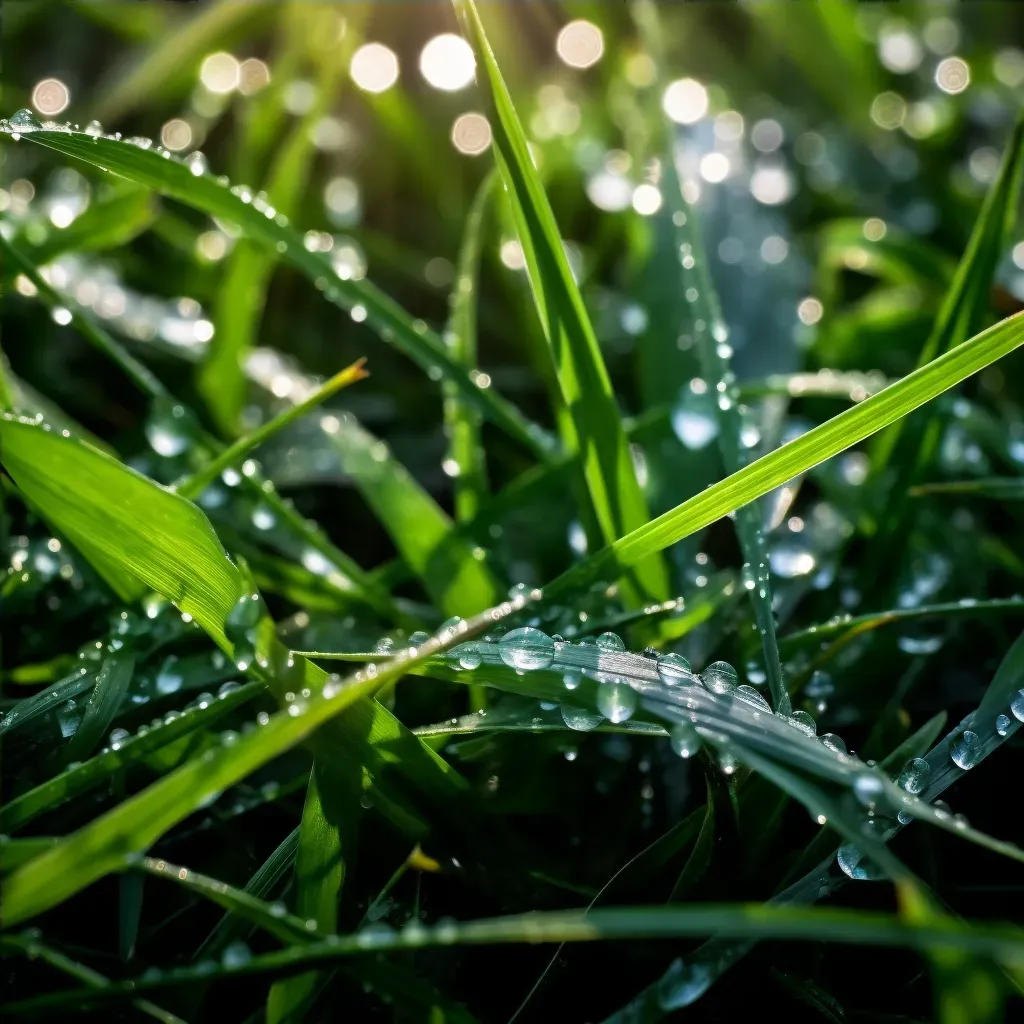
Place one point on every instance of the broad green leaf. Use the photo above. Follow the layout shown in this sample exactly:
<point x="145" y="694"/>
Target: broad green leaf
<point x="189" y="182"/>
<point x="593" y="427"/>
<point x="811" y="448"/>
<point x="163" y="540"/>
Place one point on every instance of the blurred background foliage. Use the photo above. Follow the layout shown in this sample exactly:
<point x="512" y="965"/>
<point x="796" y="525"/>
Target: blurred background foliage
<point x="838" y="155"/>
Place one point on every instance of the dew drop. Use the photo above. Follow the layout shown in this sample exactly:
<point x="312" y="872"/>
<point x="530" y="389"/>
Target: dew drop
<point x="804" y="722"/>
<point x="914" y="775"/>
<point x="1017" y="705"/>
<point x="685" y="739"/>
<point x="868" y="787"/>
<point x="674" y="669"/>
<point x="580" y="720"/>
<point x="526" y="648"/>
<point x="571" y="680"/>
<point x="751" y="696"/>
<point x="616" y="701"/>
<point x="833" y="742"/>
<point x="468" y="655"/>
<point x="24" y="121"/>
<point x="966" y="750"/>
<point x="854" y="865"/>
<point x="719" y="677"/>
<point x="1002" y="724"/>
<point x="610" y="642"/>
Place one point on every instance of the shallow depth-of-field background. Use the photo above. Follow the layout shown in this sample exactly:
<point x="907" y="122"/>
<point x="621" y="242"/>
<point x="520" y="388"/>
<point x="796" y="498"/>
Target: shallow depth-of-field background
<point x="599" y="260"/>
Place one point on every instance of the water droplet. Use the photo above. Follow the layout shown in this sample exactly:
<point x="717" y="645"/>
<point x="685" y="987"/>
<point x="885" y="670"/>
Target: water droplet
<point x="571" y="680"/>
<point x="616" y="701"/>
<point x="685" y="739"/>
<point x="719" y="677"/>
<point x="1017" y="705"/>
<point x="236" y="954"/>
<point x="804" y="722"/>
<point x="610" y="642"/>
<point x="1002" y="724"/>
<point x="169" y="680"/>
<point x="168" y="428"/>
<point x="819" y="685"/>
<point x="854" y="865"/>
<point x="868" y="787"/>
<point x="117" y="737"/>
<point x="94" y="129"/>
<point x="25" y="121"/>
<point x="241" y="629"/>
<point x="751" y="696"/>
<point x="914" y="775"/>
<point x="580" y="720"/>
<point x="693" y="419"/>
<point x="419" y="638"/>
<point x="526" y="648"/>
<point x="468" y="655"/>
<point x="833" y="742"/>
<point x="966" y="750"/>
<point x="674" y="669"/>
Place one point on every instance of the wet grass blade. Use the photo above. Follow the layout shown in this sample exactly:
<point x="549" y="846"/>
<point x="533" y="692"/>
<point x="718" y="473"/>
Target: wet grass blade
<point x="112" y="683"/>
<point x="74" y="781"/>
<point x="194" y="485"/>
<point x="596" y="428"/>
<point x="808" y="450"/>
<point x="462" y="421"/>
<point x="189" y="182"/>
<point x="1003" y="942"/>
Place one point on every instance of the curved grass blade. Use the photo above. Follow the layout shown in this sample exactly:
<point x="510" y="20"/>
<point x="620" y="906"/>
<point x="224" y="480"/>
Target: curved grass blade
<point x="188" y="182"/>
<point x="194" y="485"/>
<point x="1003" y="942"/>
<point x="705" y="324"/>
<point x="31" y="947"/>
<point x="74" y="683"/>
<point x="593" y="427"/>
<point x="109" y="842"/>
<point x="74" y="781"/>
<point x="241" y="298"/>
<point x="112" y="683"/>
<point x="796" y="457"/>
<point x="462" y="421"/>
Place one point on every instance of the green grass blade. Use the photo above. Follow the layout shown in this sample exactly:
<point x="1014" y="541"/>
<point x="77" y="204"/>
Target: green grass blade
<point x="596" y="431"/>
<point x="706" y="325"/>
<point x="194" y="485"/>
<point x="163" y="540"/>
<point x="1003" y="942"/>
<point x="327" y="840"/>
<point x="74" y="781"/>
<point x="241" y="298"/>
<point x="997" y="488"/>
<point x="462" y="421"/>
<point x="189" y="183"/>
<point x="800" y="455"/>
<point x="112" y="683"/>
<point x="109" y="842"/>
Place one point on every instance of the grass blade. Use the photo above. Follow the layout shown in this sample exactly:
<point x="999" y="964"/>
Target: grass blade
<point x="112" y="683"/>
<point x="596" y="428"/>
<point x="811" y="448"/>
<point x="189" y="183"/>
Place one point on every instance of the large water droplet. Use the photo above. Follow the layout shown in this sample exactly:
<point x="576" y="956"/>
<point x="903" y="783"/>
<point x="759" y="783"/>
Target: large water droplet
<point x="469" y="656"/>
<point x="25" y="121"/>
<point x="966" y="750"/>
<point x="241" y="628"/>
<point x="168" y="428"/>
<point x="868" y="787"/>
<point x="1002" y="724"/>
<point x="169" y="679"/>
<point x="610" y="642"/>
<point x="719" y="677"/>
<point x="674" y="669"/>
<point x="580" y="720"/>
<point x="616" y="701"/>
<point x="683" y="984"/>
<point x="693" y="419"/>
<point x="833" y="742"/>
<point x="1017" y="705"/>
<point x="685" y="739"/>
<point x="804" y="722"/>
<point x="526" y="648"/>
<point x="854" y="864"/>
<point x="914" y="775"/>
<point x="751" y="696"/>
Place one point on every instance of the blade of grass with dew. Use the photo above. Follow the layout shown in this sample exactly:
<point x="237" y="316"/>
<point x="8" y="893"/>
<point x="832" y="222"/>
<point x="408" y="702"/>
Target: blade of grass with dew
<point x="107" y="223"/>
<point x="194" y="485"/>
<point x="242" y="295"/>
<point x="189" y="182"/>
<point x="815" y="446"/>
<point x="362" y="586"/>
<point x="450" y="567"/>
<point x="1003" y="942"/>
<point x="965" y="307"/>
<point x="112" y="682"/>
<point x="706" y="325"/>
<point x="167" y="543"/>
<point x="73" y="781"/>
<point x="328" y="835"/>
<point x="110" y="842"/>
<point x="596" y="428"/>
<point x="31" y="947"/>
<point x="462" y="421"/>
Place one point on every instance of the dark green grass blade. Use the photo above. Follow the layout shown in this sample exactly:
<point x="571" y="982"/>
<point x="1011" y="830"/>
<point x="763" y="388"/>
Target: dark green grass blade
<point x="112" y="683"/>
<point x="596" y="431"/>
<point x="174" y="178"/>
<point x="811" y="448"/>
<point x="996" y="488"/>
